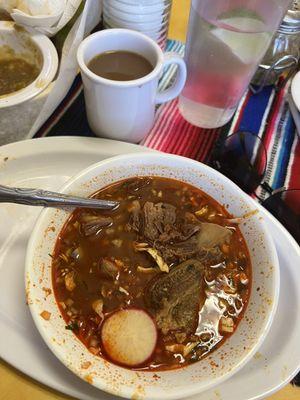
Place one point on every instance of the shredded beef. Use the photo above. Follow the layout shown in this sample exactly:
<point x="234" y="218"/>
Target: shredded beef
<point x="178" y="239"/>
<point x="159" y="219"/>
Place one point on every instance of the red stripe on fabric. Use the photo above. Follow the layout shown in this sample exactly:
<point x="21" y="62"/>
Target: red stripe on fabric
<point x="294" y="182"/>
<point x="173" y="134"/>
<point x="164" y="134"/>
<point x="161" y="126"/>
<point x="209" y="140"/>
<point x="189" y="145"/>
<point x="183" y="138"/>
<point x="206" y="141"/>
<point x="193" y="141"/>
<point x="179" y="135"/>
<point x="212" y="135"/>
<point x="176" y="132"/>
<point x="199" y="142"/>
<point x="150" y="140"/>
<point x="166" y="137"/>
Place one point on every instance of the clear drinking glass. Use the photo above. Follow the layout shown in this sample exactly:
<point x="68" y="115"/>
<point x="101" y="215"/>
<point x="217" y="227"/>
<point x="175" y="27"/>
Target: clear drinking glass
<point x="225" y="43"/>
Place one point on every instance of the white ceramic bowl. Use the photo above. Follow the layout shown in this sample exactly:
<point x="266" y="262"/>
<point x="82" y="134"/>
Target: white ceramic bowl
<point x="36" y="21"/>
<point x="158" y="16"/>
<point x="140" y="7"/>
<point x="209" y="372"/>
<point x="37" y="49"/>
<point x="140" y="26"/>
<point x="154" y="34"/>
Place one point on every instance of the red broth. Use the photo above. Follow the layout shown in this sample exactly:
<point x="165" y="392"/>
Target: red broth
<point x="102" y="264"/>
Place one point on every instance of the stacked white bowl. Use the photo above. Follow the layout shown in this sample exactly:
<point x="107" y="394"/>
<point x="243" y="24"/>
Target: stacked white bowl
<point x="150" y="17"/>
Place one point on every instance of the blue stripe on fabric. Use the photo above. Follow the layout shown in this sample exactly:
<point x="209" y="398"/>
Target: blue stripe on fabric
<point x="255" y="109"/>
<point x="172" y="46"/>
<point x="285" y="152"/>
<point x="173" y="43"/>
<point x="253" y="115"/>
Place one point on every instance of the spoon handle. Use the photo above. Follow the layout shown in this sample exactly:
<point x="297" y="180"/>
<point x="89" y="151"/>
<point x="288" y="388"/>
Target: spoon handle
<point x="44" y="198"/>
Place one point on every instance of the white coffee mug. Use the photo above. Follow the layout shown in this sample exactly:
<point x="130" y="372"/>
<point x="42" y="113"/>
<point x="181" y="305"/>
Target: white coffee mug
<point x="125" y="110"/>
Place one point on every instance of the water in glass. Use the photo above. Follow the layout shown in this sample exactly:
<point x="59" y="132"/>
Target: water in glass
<point x="224" y="46"/>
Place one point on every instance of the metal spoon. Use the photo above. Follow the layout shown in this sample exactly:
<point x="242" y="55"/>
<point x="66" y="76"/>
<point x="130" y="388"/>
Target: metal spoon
<point x="44" y="198"/>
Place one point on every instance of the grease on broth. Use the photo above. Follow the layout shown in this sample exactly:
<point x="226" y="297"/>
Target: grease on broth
<point x="168" y="251"/>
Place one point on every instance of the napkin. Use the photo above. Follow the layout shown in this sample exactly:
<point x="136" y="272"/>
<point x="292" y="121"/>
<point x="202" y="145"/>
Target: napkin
<point x="46" y="16"/>
<point x="35" y="7"/>
<point x="8" y="5"/>
<point x="89" y="18"/>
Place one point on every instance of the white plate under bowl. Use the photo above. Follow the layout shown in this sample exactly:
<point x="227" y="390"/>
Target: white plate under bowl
<point x="295" y="90"/>
<point x="48" y="163"/>
<point x="197" y="377"/>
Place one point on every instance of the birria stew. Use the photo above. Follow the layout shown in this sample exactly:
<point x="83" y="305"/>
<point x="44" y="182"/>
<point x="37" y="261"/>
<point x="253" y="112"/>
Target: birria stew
<point x="159" y="282"/>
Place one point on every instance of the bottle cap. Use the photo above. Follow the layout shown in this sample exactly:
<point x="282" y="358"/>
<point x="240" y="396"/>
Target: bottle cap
<point x="291" y="21"/>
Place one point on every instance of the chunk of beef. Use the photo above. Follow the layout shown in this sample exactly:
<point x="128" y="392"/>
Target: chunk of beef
<point x="135" y="216"/>
<point x="92" y="224"/>
<point x="158" y="219"/>
<point x="174" y="253"/>
<point x="179" y="238"/>
<point x="212" y="235"/>
<point x="134" y="185"/>
<point x="203" y="245"/>
<point x="108" y="268"/>
<point x="182" y="229"/>
<point x="160" y="222"/>
<point x="154" y="254"/>
<point x="175" y="299"/>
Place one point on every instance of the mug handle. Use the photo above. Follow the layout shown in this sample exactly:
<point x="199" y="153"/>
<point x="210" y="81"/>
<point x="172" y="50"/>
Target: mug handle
<point x="175" y="89"/>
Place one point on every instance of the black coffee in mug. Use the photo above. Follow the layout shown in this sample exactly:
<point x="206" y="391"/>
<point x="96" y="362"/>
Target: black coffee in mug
<point x="120" y="65"/>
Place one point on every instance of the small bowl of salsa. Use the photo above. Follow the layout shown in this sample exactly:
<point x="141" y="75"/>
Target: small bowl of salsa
<point x="28" y="63"/>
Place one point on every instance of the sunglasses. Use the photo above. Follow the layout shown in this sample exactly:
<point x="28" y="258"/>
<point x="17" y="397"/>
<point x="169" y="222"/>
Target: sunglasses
<point x="242" y="157"/>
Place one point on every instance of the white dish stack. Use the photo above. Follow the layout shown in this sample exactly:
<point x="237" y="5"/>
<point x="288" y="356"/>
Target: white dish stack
<point x="150" y="17"/>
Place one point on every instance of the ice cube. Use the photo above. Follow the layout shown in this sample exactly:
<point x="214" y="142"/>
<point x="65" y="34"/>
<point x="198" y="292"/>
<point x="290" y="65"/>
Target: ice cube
<point x="249" y="46"/>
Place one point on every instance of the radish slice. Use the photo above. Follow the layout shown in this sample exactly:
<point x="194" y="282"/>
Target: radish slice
<point x="129" y="337"/>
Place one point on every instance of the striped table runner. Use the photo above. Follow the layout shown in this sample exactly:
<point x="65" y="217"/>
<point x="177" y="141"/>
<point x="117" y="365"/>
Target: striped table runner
<point x="265" y="114"/>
